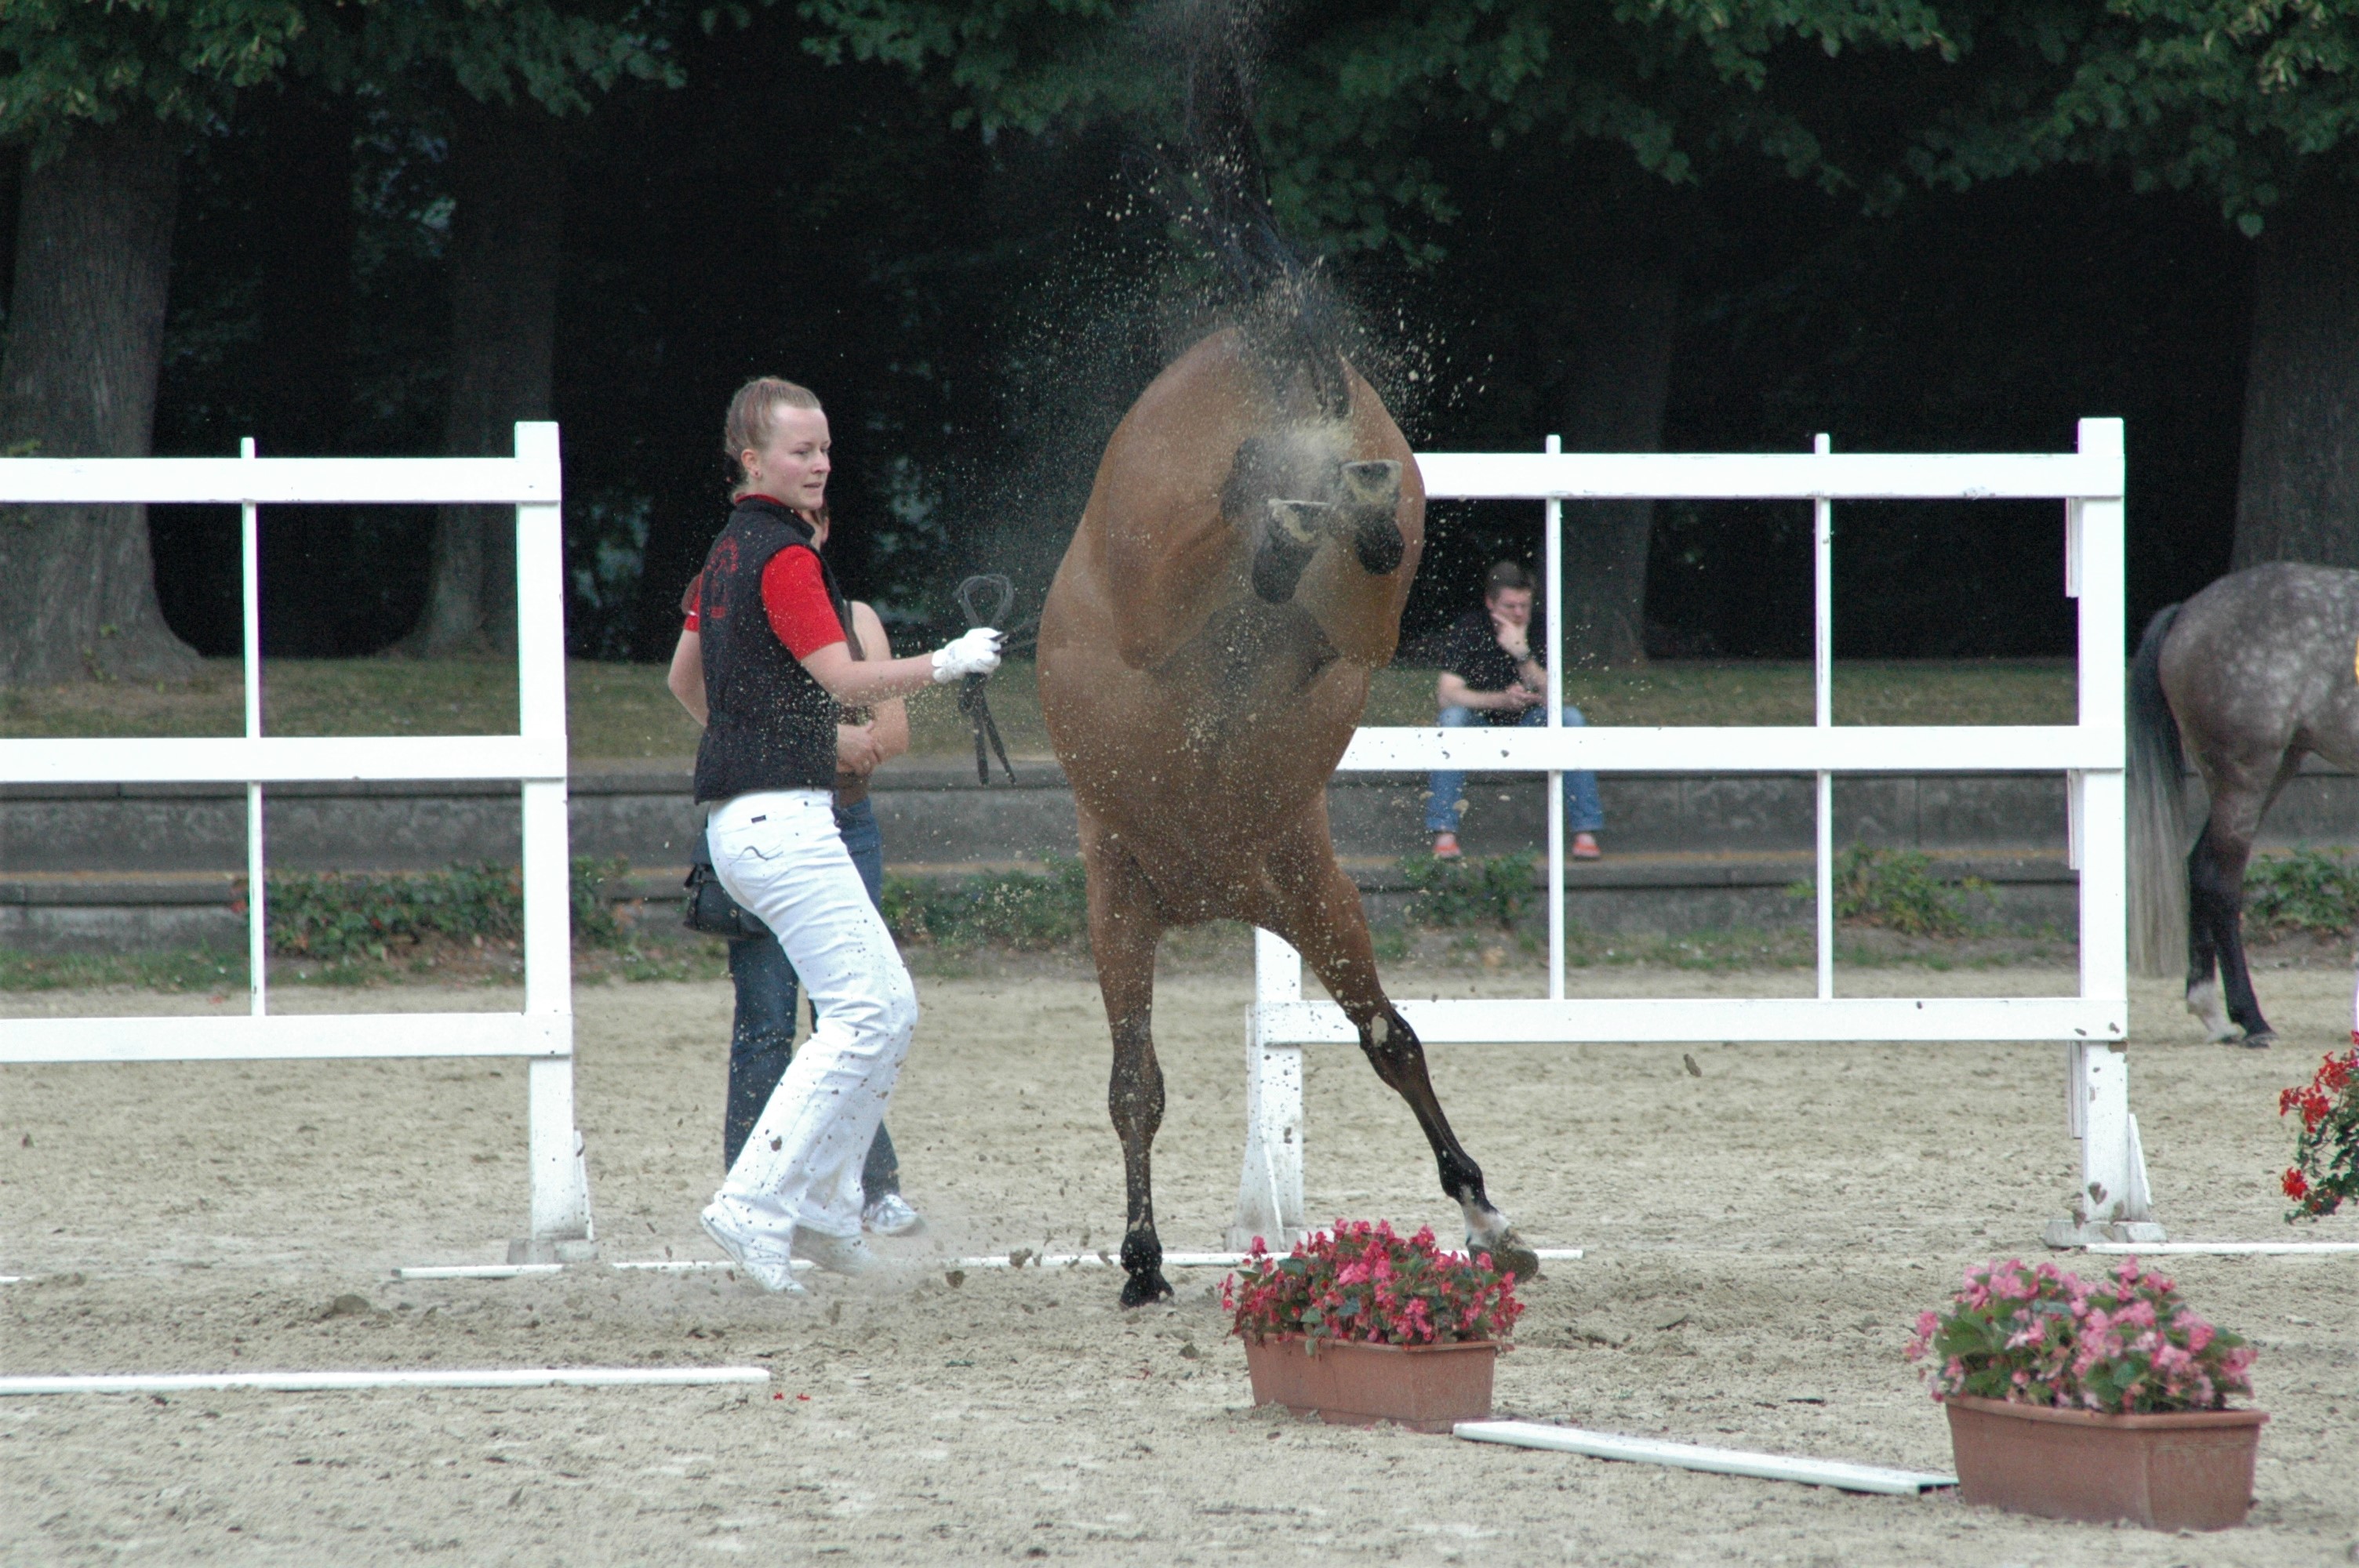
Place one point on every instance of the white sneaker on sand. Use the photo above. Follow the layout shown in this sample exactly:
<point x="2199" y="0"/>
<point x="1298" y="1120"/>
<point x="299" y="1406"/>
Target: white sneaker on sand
<point x="836" y="1254"/>
<point x="750" y="1251"/>
<point x="891" y="1216"/>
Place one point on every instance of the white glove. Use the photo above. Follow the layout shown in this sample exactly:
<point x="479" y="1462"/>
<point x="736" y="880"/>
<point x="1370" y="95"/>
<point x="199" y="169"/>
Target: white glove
<point x="974" y="653"/>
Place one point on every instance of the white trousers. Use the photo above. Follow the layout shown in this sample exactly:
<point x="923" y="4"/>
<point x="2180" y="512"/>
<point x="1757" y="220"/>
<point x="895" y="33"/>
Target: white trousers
<point x="779" y="855"/>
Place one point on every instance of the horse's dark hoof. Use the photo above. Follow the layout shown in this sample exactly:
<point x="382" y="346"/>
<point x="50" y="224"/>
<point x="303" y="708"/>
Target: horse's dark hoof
<point x="1287" y="546"/>
<point x="1374" y="482"/>
<point x="1144" y="1290"/>
<point x="2261" y="1041"/>
<point x="1379" y="545"/>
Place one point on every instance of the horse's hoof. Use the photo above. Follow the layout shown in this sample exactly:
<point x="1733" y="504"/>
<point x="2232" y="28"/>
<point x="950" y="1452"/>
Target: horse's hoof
<point x="1285" y="549"/>
<point x="1379" y="545"/>
<point x="1142" y="1290"/>
<point x="2261" y="1041"/>
<point x="1374" y="482"/>
<point x="1509" y="1255"/>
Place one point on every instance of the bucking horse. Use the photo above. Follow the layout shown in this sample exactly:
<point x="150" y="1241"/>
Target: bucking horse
<point x="1205" y="652"/>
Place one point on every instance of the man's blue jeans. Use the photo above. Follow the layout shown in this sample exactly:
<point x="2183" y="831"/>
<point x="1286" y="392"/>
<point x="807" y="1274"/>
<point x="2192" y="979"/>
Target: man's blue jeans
<point x="1583" y="813"/>
<point x="762" y="1039"/>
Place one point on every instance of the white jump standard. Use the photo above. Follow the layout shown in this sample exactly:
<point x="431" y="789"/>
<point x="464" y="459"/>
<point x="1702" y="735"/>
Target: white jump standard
<point x="2113" y="1204"/>
<point x="560" y="1224"/>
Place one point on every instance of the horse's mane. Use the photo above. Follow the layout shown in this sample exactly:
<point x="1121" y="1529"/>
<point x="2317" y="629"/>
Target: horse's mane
<point x="1292" y="322"/>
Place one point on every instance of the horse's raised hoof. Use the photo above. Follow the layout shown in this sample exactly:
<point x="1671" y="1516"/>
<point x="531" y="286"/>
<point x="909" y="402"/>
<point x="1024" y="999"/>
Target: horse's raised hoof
<point x="1145" y="1288"/>
<point x="1377" y="544"/>
<point x="1375" y="483"/>
<point x="1509" y="1255"/>
<point x="1295" y="529"/>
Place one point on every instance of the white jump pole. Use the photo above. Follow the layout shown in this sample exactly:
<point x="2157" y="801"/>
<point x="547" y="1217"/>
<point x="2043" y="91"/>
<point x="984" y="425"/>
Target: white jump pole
<point x="1269" y="1189"/>
<point x="1822" y="684"/>
<point x="1553" y="564"/>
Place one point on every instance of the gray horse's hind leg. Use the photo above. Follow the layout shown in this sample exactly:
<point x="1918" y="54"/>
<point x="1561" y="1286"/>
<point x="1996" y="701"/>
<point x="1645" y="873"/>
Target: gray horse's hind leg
<point x="2215" y="936"/>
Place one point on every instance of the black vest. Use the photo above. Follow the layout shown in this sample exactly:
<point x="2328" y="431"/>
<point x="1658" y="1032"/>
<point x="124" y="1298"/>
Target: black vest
<point x="769" y="724"/>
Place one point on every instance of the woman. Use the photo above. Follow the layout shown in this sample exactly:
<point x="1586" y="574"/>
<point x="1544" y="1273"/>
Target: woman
<point x="761" y="1031"/>
<point x="776" y="662"/>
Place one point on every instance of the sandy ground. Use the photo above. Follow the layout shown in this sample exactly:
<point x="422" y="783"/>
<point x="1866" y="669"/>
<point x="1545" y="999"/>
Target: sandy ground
<point x="1759" y="1240"/>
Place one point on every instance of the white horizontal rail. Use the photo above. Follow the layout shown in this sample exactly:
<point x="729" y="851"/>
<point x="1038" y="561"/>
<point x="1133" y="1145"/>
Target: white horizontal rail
<point x="1768" y="476"/>
<point x="271" y="482"/>
<point x="286" y="1036"/>
<point x="1537" y="1020"/>
<point x="2226" y="1248"/>
<point x="1764" y="749"/>
<point x="388" y="1378"/>
<point x="1035" y="1262"/>
<point x="281" y="759"/>
<point x="1836" y="1473"/>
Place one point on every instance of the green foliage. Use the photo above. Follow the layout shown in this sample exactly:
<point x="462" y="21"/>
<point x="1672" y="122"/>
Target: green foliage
<point x="1470" y="892"/>
<point x="2306" y="890"/>
<point x="1897" y="888"/>
<point x="62" y="60"/>
<point x="1014" y="909"/>
<point x="349" y="915"/>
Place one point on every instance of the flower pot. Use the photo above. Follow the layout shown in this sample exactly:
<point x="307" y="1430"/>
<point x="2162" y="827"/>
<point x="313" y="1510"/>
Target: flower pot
<point x="1428" y="1387"/>
<point x="2183" y="1470"/>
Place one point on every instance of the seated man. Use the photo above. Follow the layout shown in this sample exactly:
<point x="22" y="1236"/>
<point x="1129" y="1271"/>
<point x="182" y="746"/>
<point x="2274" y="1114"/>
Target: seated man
<point x="1489" y="676"/>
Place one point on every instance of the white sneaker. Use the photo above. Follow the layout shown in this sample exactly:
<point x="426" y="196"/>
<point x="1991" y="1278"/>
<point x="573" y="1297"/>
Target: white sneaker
<point x="836" y="1254"/>
<point x="891" y="1216"/>
<point x="750" y="1251"/>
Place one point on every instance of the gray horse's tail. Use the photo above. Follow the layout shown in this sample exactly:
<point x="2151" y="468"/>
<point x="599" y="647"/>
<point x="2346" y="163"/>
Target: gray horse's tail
<point x="2157" y="812"/>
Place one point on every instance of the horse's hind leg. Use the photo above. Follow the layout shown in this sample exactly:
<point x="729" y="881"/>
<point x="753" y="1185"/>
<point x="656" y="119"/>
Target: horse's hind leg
<point x="2215" y="913"/>
<point x="1321" y="916"/>
<point x="1124" y="931"/>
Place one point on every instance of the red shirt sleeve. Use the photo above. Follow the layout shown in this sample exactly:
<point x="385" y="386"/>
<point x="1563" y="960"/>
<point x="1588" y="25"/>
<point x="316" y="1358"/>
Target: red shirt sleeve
<point x="795" y="600"/>
<point x="690" y="600"/>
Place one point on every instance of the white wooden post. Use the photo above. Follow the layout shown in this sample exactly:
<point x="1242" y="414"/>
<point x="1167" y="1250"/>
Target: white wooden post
<point x="1822" y="684"/>
<point x="1269" y="1190"/>
<point x="1552" y="565"/>
<point x="2112" y="1202"/>
<point x="561" y="1188"/>
<point x="257" y="947"/>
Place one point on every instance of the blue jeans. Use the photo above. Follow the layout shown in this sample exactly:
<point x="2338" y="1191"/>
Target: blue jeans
<point x="762" y="1038"/>
<point x="1583" y="813"/>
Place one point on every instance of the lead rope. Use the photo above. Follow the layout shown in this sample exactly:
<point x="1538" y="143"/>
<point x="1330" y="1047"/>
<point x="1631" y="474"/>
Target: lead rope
<point x="971" y="700"/>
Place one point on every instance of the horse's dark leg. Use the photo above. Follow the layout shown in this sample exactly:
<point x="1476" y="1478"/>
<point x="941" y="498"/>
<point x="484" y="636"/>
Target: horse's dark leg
<point x="1320" y="914"/>
<point x="1124" y="931"/>
<point x="2216" y="902"/>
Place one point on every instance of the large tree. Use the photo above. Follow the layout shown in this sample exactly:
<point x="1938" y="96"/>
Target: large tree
<point x="498" y="79"/>
<point x="101" y="101"/>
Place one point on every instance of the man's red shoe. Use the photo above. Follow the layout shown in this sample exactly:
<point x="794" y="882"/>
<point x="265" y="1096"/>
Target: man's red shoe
<point x="1445" y="846"/>
<point x="1585" y="847"/>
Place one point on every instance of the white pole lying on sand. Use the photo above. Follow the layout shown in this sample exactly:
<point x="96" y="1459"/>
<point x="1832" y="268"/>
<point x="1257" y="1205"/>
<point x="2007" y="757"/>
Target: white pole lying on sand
<point x="1690" y="1456"/>
<point x="2225" y="1249"/>
<point x="391" y="1377"/>
<point x="1020" y="1258"/>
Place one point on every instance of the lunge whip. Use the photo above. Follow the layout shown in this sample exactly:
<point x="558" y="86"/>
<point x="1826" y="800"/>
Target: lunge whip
<point x="986" y="597"/>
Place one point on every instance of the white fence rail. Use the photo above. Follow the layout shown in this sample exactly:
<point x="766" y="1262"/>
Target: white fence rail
<point x="2093" y="1025"/>
<point x="535" y="756"/>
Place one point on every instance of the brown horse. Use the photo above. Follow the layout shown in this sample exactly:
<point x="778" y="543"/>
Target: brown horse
<point x="1205" y="653"/>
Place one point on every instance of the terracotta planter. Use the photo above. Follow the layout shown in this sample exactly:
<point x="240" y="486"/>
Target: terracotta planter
<point x="2186" y="1470"/>
<point x="1428" y="1387"/>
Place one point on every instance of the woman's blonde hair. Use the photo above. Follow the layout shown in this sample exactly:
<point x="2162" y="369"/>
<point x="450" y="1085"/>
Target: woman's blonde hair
<point x="751" y="413"/>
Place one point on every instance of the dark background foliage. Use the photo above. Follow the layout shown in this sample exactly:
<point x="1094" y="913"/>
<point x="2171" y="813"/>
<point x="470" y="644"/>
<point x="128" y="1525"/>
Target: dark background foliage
<point x="978" y="309"/>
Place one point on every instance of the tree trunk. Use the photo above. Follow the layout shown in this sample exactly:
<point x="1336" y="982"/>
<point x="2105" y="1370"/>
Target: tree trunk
<point x="508" y="178"/>
<point x="77" y="379"/>
<point x="1623" y="329"/>
<point x="304" y="400"/>
<point x="2297" y="489"/>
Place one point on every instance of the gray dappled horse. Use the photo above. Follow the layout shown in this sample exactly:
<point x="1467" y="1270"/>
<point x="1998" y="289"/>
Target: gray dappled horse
<point x="2256" y="672"/>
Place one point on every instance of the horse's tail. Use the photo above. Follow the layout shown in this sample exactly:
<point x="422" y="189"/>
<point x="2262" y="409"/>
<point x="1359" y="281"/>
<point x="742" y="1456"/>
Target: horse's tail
<point x="1290" y="318"/>
<point x="2157" y="812"/>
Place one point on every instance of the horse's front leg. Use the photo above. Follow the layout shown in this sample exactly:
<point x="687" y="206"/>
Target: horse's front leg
<point x="1124" y="931"/>
<point x="1321" y="916"/>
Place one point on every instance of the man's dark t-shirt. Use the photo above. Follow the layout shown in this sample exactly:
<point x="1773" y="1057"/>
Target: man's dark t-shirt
<point x="1470" y="650"/>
